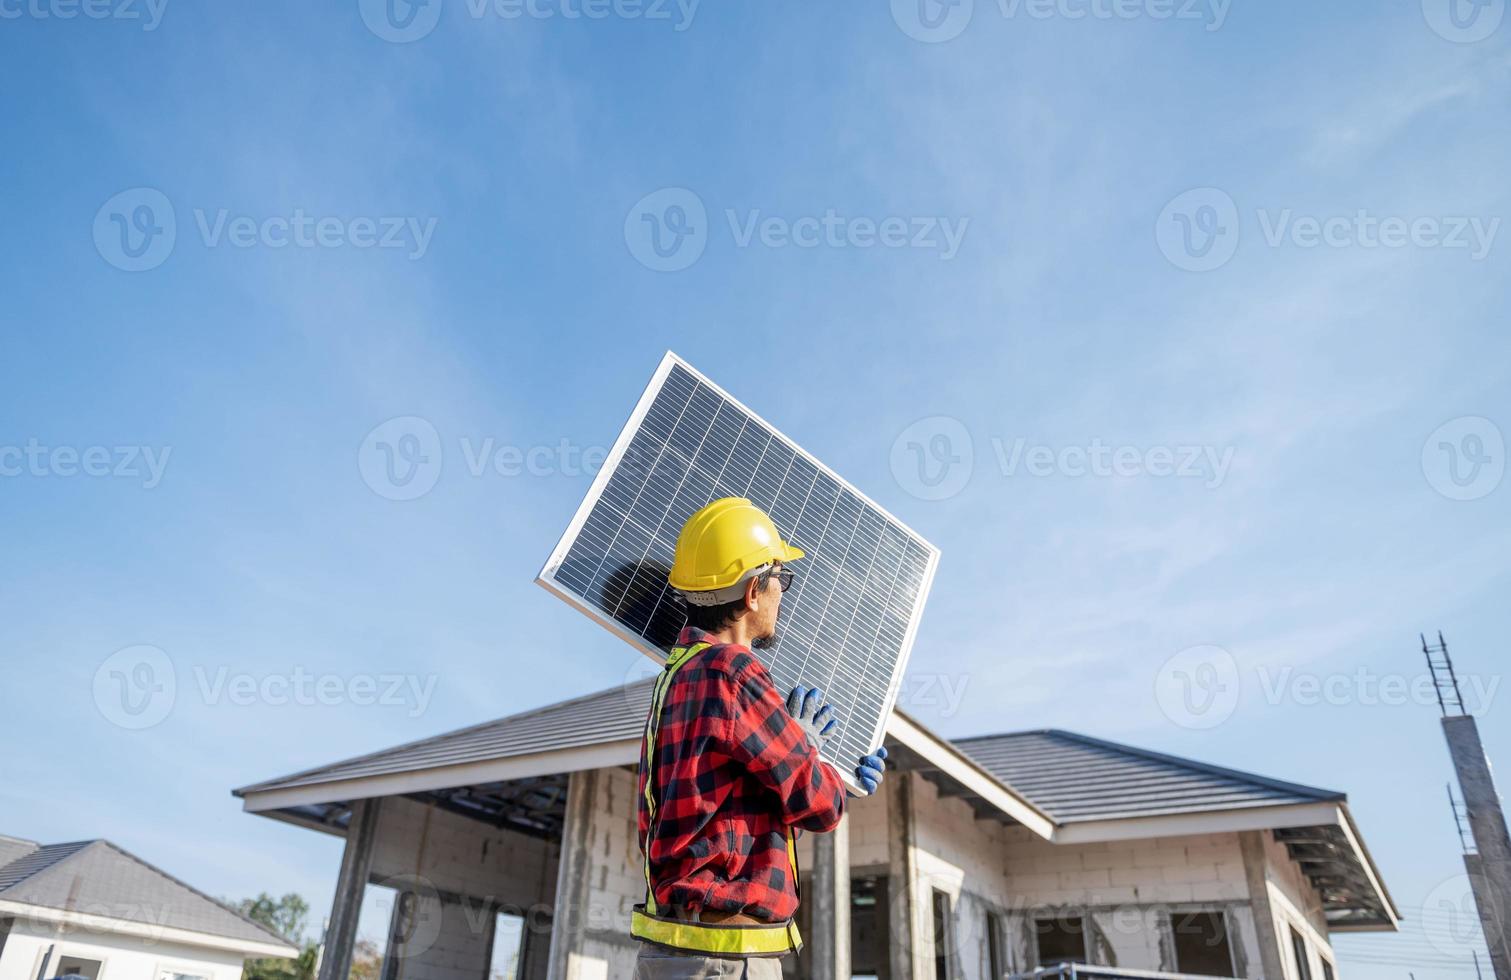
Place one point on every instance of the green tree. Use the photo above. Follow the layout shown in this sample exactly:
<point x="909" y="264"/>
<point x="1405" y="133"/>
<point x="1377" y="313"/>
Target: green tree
<point x="288" y="917"/>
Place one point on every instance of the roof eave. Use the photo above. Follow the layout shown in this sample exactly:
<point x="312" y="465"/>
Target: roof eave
<point x="126" y="927"/>
<point x="963" y="769"/>
<point x="597" y="756"/>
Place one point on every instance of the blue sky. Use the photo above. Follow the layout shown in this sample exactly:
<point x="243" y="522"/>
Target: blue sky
<point x="1144" y="262"/>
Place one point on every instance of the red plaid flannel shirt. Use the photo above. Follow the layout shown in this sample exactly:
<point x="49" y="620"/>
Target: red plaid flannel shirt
<point x="733" y="771"/>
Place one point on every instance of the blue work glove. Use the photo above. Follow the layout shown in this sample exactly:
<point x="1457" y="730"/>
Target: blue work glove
<point x="872" y="767"/>
<point x="807" y="708"/>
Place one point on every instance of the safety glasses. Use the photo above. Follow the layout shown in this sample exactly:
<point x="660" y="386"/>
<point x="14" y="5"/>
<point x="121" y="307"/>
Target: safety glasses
<point x="784" y="578"/>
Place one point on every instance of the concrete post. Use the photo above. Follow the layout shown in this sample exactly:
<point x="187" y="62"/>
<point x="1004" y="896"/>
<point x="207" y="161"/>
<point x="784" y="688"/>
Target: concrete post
<point x="573" y="874"/>
<point x="1490" y="871"/>
<point x="901" y="866"/>
<point x="1267" y="935"/>
<point x="828" y="892"/>
<point x="351" y="883"/>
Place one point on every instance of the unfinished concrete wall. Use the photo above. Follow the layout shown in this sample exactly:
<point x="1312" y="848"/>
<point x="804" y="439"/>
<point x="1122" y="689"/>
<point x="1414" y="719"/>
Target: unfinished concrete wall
<point x="1128" y="893"/>
<point x="1125" y="891"/>
<point x="949" y="850"/>
<point x="461" y="873"/>
<point x="601" y="878"/>
<point x="1294" y="903"/>
<point x="965" y="858"/>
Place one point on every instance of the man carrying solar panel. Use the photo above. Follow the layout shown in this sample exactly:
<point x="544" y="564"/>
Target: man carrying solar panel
<point x="729" y="770"/>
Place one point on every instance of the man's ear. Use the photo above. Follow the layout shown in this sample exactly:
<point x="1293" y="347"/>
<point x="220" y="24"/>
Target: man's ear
<point x="753" y="592"/>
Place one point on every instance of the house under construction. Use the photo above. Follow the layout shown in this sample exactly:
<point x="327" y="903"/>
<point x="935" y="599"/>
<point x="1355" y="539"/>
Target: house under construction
<point x="979" y="858"/>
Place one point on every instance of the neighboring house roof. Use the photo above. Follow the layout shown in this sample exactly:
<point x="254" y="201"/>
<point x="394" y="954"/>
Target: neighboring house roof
<point x="96" y="878"/>
<point x="1065" y="787"/>
<point x="1076" y="778"/>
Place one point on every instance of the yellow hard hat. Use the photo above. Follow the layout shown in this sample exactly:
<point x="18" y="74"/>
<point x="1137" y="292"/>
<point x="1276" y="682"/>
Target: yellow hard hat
<point x="721" y="545"/>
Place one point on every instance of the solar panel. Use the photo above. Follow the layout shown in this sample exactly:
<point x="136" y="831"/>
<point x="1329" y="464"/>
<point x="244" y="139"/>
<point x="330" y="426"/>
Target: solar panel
<point x="848" y="622"/>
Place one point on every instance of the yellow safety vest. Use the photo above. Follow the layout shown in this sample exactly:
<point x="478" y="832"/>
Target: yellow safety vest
<point x="695" y="937"/>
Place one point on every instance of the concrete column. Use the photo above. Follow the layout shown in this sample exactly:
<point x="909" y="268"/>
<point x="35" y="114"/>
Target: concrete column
<point x="1490" y="871"/>
<point x="902" y="919"/>
<point x="1251" y="845"/>
<point x="828" y="895"/>
<point x="351" y="883"/>
<point x="573" y="874"/>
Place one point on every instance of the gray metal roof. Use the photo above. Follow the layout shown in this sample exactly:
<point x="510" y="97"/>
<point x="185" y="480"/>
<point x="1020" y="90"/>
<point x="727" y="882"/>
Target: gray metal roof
<point x="1077" y="778"/>
<point x="1069" y="777"/>
<point x="98" y="877"/>
<point x="607" y="716"/>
